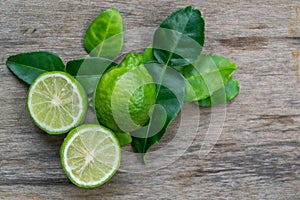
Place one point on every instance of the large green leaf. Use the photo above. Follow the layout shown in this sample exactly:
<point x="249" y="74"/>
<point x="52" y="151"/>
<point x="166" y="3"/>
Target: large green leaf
<point x="88" y="71"/>
<point x="180" y="38"/>
<point x="206" y="75"/>
<point x="28" y="66"/>
<point x="223" y="95"/>
<point x="104" y="37"/>
<point x="170" y="98"/>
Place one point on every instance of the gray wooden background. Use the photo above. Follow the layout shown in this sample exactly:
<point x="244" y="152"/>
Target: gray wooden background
<point x="257" y="156"/>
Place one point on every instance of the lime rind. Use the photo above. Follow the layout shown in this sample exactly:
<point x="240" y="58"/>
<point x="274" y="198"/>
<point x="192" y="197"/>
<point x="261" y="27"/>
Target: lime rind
<point x="36" y="100"/>
<point x="103" y="174"/>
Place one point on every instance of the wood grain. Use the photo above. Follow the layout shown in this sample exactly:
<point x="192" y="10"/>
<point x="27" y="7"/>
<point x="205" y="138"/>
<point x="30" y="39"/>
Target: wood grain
<point x="257" y="156"/>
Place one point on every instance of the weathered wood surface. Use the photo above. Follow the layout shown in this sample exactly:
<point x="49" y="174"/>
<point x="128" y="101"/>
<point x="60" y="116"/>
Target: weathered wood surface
<point x="257" y="155"/>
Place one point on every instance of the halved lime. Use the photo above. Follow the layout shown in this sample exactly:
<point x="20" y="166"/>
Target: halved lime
<point x="90" y="155"/>
<point x="56" y="102"/>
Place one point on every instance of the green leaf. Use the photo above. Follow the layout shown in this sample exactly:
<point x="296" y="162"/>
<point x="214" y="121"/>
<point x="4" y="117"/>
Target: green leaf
<point x="104" y="37"/>
<point x="148" y="54"/>
<point x="225" y="94"/>
<point x="124" y="138"/>
<point x="170" y="98"/>
<point x="180" y="38"/>
<point x="28" y="66"/>
<point x="206" y="75"/>
<point x="88" y="71"/>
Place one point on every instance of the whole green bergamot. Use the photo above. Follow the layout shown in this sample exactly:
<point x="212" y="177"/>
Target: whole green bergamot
<point x="124" y="95"/>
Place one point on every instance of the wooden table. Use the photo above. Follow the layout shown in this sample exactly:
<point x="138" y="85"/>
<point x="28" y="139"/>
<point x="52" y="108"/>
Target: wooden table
<point x="257" y="155"/>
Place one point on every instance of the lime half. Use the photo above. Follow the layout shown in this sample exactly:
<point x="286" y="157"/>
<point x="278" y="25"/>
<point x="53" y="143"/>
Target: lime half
<point x="90" y="155"/>
<point x="56" y="102"/>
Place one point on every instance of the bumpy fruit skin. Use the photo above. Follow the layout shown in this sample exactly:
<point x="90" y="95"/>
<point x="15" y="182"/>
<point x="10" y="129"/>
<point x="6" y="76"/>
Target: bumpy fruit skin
<point x="124" y="95"/>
